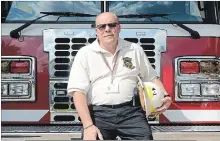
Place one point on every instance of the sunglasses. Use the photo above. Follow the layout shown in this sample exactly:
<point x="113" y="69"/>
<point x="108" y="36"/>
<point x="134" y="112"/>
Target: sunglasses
<point x="103" y="26"/>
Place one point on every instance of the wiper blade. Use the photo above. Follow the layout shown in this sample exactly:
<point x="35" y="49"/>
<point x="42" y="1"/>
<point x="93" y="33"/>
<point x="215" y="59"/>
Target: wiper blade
<point x="15" y="33"/>
<point x="194" y="34"/>
<point x="68" y="14"/>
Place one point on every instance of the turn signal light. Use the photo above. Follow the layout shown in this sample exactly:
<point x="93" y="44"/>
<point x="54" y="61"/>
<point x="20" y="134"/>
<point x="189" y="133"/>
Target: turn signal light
<point x="19" y="67"/>
<point x="189" y="67"/>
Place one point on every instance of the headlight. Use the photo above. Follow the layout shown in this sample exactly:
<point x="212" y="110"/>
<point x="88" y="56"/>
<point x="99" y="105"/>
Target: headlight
<point x="190" y="89"/>
<point x="18" y="89"/>
<point x="4" y="89"/>
<point x="210" y="89"/>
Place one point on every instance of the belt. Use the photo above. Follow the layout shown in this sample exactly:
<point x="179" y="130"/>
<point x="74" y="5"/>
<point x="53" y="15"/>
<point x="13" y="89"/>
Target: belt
<point x="130" y="103"/>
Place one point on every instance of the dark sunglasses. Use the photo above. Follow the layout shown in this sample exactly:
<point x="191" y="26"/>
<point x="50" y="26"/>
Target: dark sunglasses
<point x="103" y="26"/>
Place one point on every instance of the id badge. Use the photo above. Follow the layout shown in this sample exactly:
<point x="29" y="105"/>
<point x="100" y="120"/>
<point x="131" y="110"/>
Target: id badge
<point x="112" y="88"/>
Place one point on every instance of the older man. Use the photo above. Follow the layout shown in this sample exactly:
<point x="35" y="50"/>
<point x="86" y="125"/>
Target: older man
<point x="102" y="80"/>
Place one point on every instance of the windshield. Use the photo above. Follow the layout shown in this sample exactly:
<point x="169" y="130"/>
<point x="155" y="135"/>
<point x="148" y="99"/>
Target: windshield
<point x="22" y="11"/>
<point x="186" y="11"/>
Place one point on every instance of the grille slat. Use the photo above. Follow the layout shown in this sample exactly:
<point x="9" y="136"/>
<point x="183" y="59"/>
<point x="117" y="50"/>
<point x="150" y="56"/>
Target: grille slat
<point x="150" y="53"/>
<point x="77" y="46"/>
<point x="152" y="60"/>
<point x="62" y="40"/>
<point x="61" y="92"/>
<point x="60" y="85"/>
<point x="73" y="106"/>
<point x="64" y="118"/>
<point x="61" y="99"/>
<point x="62" y="53"/>
<point x="134" y="40"/>
<point x="61" y="106"/>
<point x="61" y="73"/>
<point x="61" y="67"/>
<point x="74" y="53"/>
<point x="62" y="47"/>
<point x="91" y="40"/>
<point x="62" y="60"/>
<point x="147" y="40"/>
<point x="79" y="40"/>
<point x="148" y="47"/>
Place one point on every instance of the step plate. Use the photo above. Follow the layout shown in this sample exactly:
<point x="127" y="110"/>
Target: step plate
<point x="78" y="129"/>
<point x="41" y="129"/>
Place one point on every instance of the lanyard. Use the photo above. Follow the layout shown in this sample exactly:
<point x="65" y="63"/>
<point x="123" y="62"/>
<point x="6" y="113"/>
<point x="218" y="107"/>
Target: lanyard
<point x="111" y="70"/>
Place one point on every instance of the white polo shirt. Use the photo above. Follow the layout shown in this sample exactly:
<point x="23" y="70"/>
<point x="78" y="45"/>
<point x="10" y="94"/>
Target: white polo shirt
<point x="91" y="75"/>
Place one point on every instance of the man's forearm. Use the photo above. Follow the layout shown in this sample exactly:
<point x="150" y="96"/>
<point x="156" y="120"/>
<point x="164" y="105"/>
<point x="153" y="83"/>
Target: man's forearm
<point x="159" y="83"/>
<point x="82" y="108"/>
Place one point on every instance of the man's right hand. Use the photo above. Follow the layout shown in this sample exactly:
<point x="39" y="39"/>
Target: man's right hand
<point x="91" y="133"/>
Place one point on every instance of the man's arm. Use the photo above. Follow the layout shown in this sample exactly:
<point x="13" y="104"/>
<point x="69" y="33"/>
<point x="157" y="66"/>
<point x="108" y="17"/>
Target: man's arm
<point x="82" y="108"/>
<point x="90" y="130"/>
<point x="160" y="84"/>
<point x="166" y="100"/>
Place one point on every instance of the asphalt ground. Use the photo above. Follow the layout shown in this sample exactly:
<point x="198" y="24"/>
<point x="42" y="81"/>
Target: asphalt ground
<point x="199" y="136"/>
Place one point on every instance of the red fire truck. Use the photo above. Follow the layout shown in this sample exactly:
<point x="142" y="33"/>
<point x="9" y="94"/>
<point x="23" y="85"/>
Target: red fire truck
<point x="40" y="40"/>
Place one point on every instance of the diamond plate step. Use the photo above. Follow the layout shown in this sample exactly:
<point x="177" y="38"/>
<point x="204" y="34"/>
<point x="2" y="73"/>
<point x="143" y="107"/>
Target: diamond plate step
<point x="199" y="128"/>
<point x="78" y="129"/>
<point x="41" y="129"/>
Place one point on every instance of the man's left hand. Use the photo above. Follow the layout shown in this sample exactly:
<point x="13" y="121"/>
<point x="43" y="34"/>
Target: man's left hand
<point x="166" y="104"/>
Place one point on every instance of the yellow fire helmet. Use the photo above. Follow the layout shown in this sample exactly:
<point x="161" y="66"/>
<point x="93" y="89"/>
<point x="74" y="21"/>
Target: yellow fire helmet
<point x="153" y="96"/>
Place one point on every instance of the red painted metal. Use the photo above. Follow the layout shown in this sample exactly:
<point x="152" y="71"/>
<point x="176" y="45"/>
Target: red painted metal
<point x="184" y="46"/>
<point x="31" y="46"/>
<point x="176" y="47"/>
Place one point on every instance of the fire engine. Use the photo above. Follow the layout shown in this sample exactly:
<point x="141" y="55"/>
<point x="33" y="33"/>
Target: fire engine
<point x="39" y="40"/>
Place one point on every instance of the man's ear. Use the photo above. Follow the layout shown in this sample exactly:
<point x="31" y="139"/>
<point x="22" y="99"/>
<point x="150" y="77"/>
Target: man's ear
<point x="119" y="26"/>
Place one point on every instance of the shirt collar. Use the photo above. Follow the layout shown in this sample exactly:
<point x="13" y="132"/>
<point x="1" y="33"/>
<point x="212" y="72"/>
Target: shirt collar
<point x="96" y="47"/>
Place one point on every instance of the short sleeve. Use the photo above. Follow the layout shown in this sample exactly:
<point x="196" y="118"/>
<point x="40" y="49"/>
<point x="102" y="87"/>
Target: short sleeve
<point x="147" y="72"/>
<point x="79" y="77"/>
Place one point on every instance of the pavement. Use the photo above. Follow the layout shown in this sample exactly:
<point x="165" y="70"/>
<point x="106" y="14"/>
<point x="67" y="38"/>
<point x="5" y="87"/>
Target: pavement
<point x="199" y="136"/>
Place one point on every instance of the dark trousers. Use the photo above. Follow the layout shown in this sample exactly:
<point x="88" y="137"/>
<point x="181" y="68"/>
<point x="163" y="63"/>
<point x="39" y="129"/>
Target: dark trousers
<point x="127" y="122"/>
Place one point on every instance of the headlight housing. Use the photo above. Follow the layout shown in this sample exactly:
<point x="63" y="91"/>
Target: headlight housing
<point x="18" y="89"/>
<point x="210" y="89"/>
<point x="190" y="89"/>
<point x="4" y="89"/>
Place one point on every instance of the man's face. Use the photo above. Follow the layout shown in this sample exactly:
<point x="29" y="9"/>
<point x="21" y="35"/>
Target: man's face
<point x="107" y="28"/>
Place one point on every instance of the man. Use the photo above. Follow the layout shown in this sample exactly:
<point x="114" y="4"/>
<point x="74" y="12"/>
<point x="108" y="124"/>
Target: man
<point x="102" y="79"/>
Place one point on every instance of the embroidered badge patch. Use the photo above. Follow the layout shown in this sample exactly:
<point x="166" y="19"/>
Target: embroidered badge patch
<point x="128" y="62"/>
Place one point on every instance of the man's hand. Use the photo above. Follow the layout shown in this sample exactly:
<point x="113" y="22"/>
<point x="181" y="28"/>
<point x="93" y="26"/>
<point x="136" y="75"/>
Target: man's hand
<point x="91" y="133"/>
<point x="166" y="104"/>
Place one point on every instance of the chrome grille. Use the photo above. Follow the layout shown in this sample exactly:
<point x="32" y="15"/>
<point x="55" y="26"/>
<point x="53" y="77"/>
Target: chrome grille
<point x="63" y="47"/>
<point x="63" y="50"/>
<point x="62" y="106"/>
